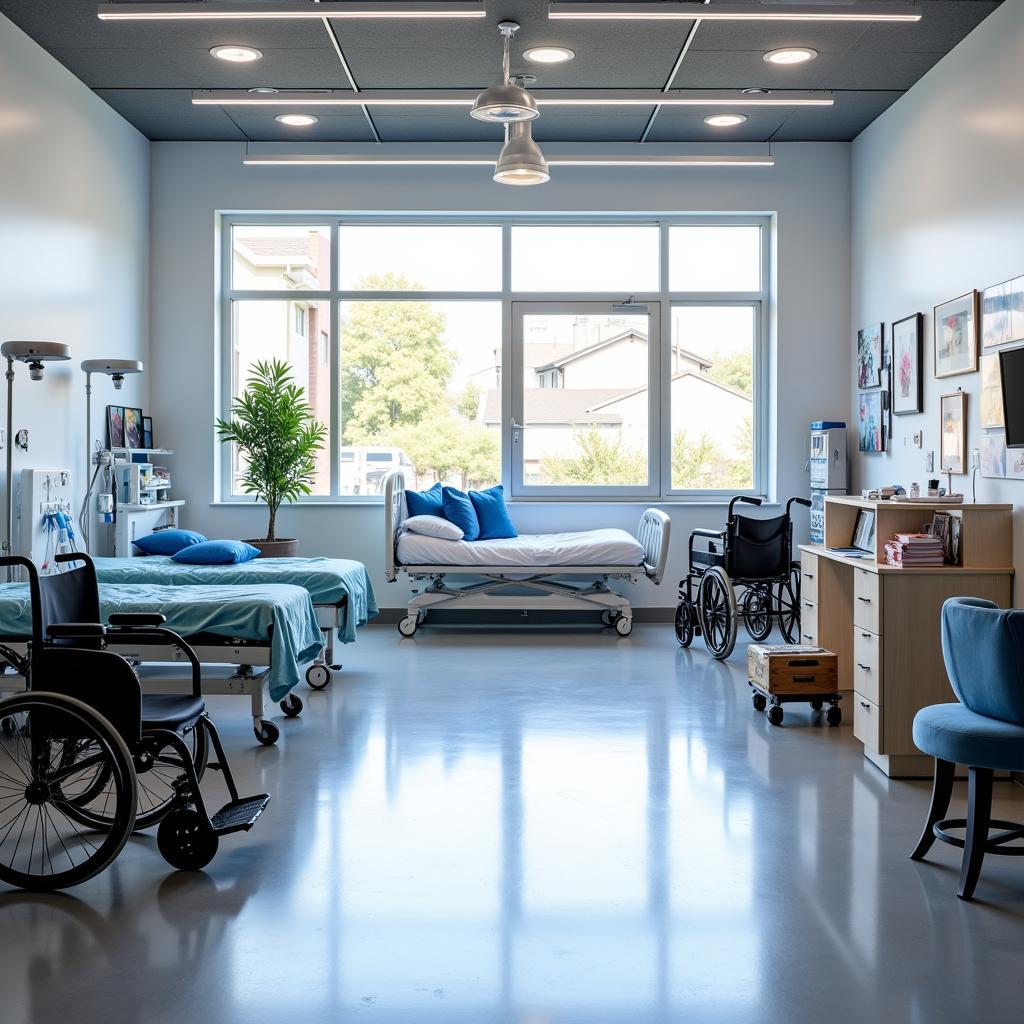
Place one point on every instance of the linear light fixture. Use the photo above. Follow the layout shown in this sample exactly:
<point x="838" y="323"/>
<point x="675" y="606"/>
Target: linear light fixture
<point x="687" y="10"/>
<point x="465" y="98"/>
<point x="265" y="10"/>
<point x="425" y="160"/>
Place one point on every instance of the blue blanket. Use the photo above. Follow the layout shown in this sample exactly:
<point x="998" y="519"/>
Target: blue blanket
<point x="328" y="580"/>
<point x="282" y="614"/>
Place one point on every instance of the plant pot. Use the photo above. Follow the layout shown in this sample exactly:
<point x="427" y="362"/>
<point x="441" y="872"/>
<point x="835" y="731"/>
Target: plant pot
<point x="287" y="548"/>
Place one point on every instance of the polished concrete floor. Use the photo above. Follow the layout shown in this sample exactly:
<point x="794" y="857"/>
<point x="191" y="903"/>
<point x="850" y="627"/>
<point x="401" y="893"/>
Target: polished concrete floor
<point x="536" y="828"/>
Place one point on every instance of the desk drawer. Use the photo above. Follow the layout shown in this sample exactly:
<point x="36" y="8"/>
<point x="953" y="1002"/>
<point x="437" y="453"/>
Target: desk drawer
<point x="808" y="622"/>
<point x="867" y="664"/>
<point x="867" y="600"/>
<point x="867" y="722"/>
<point x="809" y="576"/>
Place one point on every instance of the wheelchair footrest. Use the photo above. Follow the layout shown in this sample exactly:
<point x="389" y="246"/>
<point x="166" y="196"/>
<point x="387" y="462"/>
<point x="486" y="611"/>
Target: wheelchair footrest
<point x="239" y="815"/>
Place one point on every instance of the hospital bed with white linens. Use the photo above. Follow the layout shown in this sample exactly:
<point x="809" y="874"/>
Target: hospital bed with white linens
<point x="558" y="571"/>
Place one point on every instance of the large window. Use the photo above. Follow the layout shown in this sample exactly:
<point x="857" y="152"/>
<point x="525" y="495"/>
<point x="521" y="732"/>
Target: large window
<point x="614" y="358"/>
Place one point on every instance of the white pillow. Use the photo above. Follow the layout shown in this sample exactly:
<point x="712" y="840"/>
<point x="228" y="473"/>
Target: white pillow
<point x="433" y="526"/>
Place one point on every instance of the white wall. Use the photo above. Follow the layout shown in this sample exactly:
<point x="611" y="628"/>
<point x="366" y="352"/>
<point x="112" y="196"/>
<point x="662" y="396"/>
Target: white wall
<point x="192" y="182"/>
<point x="74" y="246"/>
<point x="938" y="209"/>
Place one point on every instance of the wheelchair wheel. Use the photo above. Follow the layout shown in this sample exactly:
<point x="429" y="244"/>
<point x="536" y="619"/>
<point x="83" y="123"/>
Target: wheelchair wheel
<point x="716" y="604"/>
<point x="58" y="751"/>
<point x="684" y="623"/>
<point x="789" y="605"/>
<point x="757" y="612"/>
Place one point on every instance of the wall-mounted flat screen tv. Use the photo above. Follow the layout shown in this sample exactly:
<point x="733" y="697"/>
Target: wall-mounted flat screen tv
<point x="1011" y="370"/>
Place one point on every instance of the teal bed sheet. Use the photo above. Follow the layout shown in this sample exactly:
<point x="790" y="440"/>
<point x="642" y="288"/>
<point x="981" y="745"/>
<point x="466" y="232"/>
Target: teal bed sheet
<point x="284" y="614"/>
<point x="328" y="580"/>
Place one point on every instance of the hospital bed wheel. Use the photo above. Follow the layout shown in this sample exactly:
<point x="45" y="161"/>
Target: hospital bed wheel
<point x="291" y="706"/>
<point x="407" y="627"/>
<point x="716" y="605"/>
<point x="317" y="677"/>
<point x="834" y="715"/>
<point x="267" y="733"/>
<point x="49" y="850"/>
<point x="186" y="840"/>
<point x="624" y="624"/>
<point x="684" y="623"/>
<point x="775" y="714"/>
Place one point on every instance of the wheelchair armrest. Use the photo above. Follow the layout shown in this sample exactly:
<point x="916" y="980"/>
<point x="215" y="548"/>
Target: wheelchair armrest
<point x="700" y="531"/>
<point x="63" y="630"/>
<point x="137" y="619"/>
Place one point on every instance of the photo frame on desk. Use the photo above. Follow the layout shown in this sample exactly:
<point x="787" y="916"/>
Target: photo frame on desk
<point x="115" y="426"/>
<point x="132" y="428"/>
<point x="147" y="432"/>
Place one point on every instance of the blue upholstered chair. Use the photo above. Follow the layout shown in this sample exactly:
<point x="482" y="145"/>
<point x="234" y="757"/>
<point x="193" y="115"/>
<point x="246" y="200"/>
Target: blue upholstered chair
<point x="983" y="647"/>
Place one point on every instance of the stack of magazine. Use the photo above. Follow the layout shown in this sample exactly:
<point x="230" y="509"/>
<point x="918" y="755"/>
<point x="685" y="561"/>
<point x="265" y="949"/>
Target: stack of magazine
<point x="915" y="549"/>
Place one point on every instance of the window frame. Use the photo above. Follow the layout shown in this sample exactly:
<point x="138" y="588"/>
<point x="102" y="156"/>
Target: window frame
<point x="660" y="477"/>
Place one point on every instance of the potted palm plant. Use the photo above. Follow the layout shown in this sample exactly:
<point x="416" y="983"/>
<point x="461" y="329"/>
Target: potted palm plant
<point x="278" y="438"/>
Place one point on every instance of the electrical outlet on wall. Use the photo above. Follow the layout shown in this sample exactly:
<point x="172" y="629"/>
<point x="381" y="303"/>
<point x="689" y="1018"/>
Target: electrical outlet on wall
<point x="929" y="462"/>
<point x="918" y="438"/>
<point x="975" y="458"/>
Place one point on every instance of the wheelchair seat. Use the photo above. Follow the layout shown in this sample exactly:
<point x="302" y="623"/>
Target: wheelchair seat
<point x="171" y="711"/>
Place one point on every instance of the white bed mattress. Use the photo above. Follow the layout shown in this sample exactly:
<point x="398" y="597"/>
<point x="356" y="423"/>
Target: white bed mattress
<point x="590" y="547"/>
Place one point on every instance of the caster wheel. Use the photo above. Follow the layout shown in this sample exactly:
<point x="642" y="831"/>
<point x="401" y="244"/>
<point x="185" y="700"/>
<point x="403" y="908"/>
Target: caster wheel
<point x="834" y="715"/>
<point x="407" y="627"/>
<point x="186" y="841"/>
<point x="760" y="702"/>
<point x="775" y="715"/>
<point x="291" y="706"/>
<point x="317" y="677"/>
<point x="267" y="733"/>
<point x="685" y="617"/>
<point x="624" y="625"/>
<point x="817" y="705"/>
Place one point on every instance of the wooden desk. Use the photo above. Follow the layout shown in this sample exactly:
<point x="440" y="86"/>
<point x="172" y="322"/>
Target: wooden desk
<point x="884" y="623"/>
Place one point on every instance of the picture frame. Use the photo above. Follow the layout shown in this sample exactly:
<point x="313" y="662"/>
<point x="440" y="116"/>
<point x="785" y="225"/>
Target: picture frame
<point x="870" y="356"/>
<point x="991" y="407"/>
<point x="906" y="338"/>
<point x="953" y="432"/>
<point x="1017" y="309"/>
<point x="955" y="336"/>
<point x="132" y="427"/>
<point x="993" y="455"/>
<point x="864" y="531"/>
<point x="115" y="426"/>
<point x="995" y="315"/>
<point x="871" y="422"/>
<point x="147" y="431"/>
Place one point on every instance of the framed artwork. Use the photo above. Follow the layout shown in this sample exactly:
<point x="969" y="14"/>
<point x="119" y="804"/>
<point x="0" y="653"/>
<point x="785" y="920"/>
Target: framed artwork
<point x="870" y="423"/>
<point x="953" y="432"/>
<point x="995" y="315"/>
<point x="864" y="531"/>
<point x="993" y="455"/>
<point x="1014" y="462"/>
<point x="956" y="336"/>
<point x="115" y="426"/>
<point x="147" y="430"/>
<point x="132" y="428"/>
<point x="991" y="392"/>
<point x="869" y="357"/>
<point x="905" y="339"/>
<point x="1017" y="309"/>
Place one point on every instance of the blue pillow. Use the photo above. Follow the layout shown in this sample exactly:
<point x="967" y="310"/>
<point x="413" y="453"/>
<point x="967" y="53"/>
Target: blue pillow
<point x="217" y="552"/>
<point x="458" y="509"/>
<point x="168" y="542"/>
<point x="425" y="503"/>
<point x="492" y="514"/>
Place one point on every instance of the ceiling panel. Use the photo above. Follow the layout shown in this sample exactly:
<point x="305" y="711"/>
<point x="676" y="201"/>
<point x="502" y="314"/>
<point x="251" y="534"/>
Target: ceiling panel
<point x="853" y="112"/>
<point x="260" y="126"/>
<point x="944" y="24"/>
<point x="746" y="69"/>
<point x="166" y="114"/>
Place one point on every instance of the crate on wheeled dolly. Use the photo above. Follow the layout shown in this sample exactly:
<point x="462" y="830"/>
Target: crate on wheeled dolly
<point x="785" y="673"/>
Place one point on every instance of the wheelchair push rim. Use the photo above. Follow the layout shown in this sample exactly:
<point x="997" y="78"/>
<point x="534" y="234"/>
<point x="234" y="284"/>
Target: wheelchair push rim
<point x="716" y="603"/>
<point x="52" y="753"/>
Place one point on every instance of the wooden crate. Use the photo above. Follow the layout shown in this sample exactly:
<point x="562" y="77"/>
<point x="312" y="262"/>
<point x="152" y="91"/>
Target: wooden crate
<point x="780" y="669"/>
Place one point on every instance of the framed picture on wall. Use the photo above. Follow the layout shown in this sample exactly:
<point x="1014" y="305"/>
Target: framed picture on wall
<point x="993" y="455"/>
<point x="132" y="428"/>
<point x="147" y="432"/>
<point x="906" y="340"/>
<point x="871" y="423"/>
<point x="991" y="392"/>
<point x="995" y="315"/>
<point x="115" y="426"/>
<point x="956" y="336"/>
<point x="1017" y="309"/>
<point x="869" y="356"/>
<point x="953" y="432"/>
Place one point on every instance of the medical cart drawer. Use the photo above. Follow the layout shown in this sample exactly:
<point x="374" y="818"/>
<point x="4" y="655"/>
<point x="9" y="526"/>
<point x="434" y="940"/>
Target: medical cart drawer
<point x="867" y="600"/>
<point x="808" y="622"/>
<point x="867" y="722"/>
<point x="809" y="577"/>
<point x="867" y="664"/>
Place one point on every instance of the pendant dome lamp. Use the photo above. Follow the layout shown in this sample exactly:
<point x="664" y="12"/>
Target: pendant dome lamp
<point x="505" y="102"/>
<point x="521" y="162"/>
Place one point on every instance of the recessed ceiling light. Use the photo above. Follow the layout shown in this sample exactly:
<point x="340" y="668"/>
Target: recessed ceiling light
<point x="263" y="90"/>
<point x="791" y="55"/>
<point x="549" y="54"/>
<point x="236" y="54"/>
<point x="756" y="92"/>
<point x="724" y="120"/>
<point x="297" y="120"/>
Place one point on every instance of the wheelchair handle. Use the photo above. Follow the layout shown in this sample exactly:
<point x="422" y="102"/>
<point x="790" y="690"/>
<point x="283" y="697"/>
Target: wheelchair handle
<point x="32" y="572"/>
<point x="746" y="499"/>
<point x="806" y="502"/>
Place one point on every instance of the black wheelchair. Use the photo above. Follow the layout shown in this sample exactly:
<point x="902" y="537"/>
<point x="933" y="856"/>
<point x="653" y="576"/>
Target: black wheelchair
<point x="86" y="758"/>
<point x="753" y="554"/>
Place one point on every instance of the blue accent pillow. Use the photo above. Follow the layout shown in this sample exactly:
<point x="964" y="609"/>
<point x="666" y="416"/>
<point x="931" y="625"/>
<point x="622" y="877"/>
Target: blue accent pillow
<point x="492" y="514"/>
<point x="425" y="503"/>
<point x="458" y="509"/>
<point x="168" y="542"/>
<point x="217" y="552"/>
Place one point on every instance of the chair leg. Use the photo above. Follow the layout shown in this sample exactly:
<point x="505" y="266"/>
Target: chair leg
<point x="942" y="791"/>
<point x="979" y="813"/>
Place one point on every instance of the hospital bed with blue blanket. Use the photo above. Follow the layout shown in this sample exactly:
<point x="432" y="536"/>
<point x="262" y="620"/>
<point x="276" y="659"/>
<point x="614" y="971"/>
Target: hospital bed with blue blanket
<point x="339" y="588"/>
<point x="262" y="635"/>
